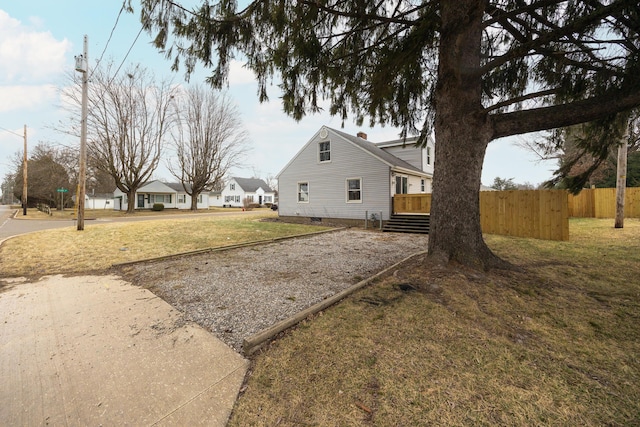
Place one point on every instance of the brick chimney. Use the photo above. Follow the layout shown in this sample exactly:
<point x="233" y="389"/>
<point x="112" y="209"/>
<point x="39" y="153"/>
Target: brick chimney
<point x="362" y="135"/>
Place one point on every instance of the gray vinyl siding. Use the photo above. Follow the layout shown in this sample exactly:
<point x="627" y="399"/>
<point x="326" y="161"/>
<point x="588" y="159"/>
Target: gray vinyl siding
<point x="409" y="153"/>
<point x="327" y="182"/>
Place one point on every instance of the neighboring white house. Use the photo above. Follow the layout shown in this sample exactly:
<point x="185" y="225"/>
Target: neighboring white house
<point x="171" y="195"/>
<point x="337" y="175"/>
<point x="237" y="189"/>
<point x="97" y="201"/>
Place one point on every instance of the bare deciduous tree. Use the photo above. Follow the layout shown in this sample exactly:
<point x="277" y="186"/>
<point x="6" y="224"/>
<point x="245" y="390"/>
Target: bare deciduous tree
<point x="128" y="119"/>
<point x="209" y="139"/>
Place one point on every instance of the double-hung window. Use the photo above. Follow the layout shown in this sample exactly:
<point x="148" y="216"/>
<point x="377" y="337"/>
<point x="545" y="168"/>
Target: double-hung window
<point x="303" y="192"/>
<point x="324" y="150"/>
<point x="354" y="190"/>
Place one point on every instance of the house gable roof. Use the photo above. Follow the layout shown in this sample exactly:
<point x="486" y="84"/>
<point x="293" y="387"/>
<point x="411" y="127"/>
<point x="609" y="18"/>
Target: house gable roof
<point x="177" y="186"/>
<point x="369" y="148"/>
<point x="251" y="185"/>
<point x="155" y="186"/>
<point x="374" y="150"/>
<point x="412" y="140"/>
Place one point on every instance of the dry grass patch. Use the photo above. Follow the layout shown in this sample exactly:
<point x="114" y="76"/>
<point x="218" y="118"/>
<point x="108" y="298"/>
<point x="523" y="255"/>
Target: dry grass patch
<point x="555" y="344"/>
<point x="71" y="214"/>
<point x="101" y="245"/>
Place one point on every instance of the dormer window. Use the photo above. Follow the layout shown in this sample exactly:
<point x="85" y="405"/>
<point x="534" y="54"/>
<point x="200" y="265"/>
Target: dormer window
<point x="324" y="150"/>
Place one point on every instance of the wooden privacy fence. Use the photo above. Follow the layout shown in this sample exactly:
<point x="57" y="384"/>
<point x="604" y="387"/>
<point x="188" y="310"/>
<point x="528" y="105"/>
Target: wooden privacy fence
<point x="601" y="203"/>
<point x="412" y="203"/>
<point x="541" y="214"/>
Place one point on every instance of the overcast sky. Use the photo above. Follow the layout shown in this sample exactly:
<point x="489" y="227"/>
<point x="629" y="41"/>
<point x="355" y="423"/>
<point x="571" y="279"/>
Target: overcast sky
<point x="38" y="42"/>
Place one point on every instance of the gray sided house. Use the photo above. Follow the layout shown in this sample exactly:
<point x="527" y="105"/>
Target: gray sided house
<point x="341" y="176"/>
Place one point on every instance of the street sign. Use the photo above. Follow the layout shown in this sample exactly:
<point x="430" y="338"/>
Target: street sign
<point x="62" y="190"/>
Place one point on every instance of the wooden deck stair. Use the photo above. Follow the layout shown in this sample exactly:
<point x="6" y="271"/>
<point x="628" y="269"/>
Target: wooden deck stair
<point x="418" y="224"/>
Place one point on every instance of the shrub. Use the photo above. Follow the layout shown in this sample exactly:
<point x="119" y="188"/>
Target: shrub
<point x="158" y="207"/>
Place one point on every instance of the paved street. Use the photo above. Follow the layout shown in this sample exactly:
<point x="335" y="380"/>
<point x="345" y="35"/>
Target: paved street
<point x="12" y="227"/>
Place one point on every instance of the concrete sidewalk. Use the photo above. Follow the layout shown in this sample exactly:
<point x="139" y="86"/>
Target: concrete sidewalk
<point x="95" y="350"/>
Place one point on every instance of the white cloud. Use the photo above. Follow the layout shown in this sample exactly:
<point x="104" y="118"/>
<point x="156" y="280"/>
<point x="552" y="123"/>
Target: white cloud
<point x="16" y="98"/>
<point x="276" y="137"/>
<point x="239" y="74"/>
<point x="28" y="55"/>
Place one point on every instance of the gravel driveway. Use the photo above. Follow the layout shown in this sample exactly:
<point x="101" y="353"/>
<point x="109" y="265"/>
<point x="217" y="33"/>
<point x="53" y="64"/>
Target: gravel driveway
<point x="239" y="292"/>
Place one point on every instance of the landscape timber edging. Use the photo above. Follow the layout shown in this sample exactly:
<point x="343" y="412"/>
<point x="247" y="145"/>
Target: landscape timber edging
<point x="254" y="342"/>
<point x="223" y="248"/>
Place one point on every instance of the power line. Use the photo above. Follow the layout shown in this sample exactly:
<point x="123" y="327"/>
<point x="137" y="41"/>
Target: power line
<point x="110" y="36"/>
<point x="10" y="131"/>
<point x="128" y="52"/>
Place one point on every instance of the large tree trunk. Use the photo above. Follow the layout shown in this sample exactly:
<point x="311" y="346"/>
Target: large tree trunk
<point x="463" y="132"/>
<point x="131" y="201"/>
<point x="194" y="201"/>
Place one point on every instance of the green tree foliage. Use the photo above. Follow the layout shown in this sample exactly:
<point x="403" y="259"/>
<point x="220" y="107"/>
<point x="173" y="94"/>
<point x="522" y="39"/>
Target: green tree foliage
<point x="45" y="174"/>
<point x="471" y="70"/>
<point x="587" y="149"/>
<point x="633" y="173"/>
<point x="504" y="184"/>
<point x="588" y="152"/>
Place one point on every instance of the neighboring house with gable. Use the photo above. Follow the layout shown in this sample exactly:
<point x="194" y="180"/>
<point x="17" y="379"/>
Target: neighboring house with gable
<point x="341" y="176"/>
<point x="237" y="189"/>
<point x="171" y="195"/>
<point x="97" y="200"/>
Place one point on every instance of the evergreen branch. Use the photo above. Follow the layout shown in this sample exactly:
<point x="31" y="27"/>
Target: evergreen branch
<point x="571" y="113"/>
<point x="499" y="15"/>
<point x="390" y="20"/>
<point x="575" y="26"/>
<point x="521" y="98"/>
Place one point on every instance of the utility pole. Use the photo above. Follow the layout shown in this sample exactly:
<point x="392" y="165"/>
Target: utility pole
<point x="82" y="66"/>
<point x="621" y="182"/>
<point x="24" y="174"/>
